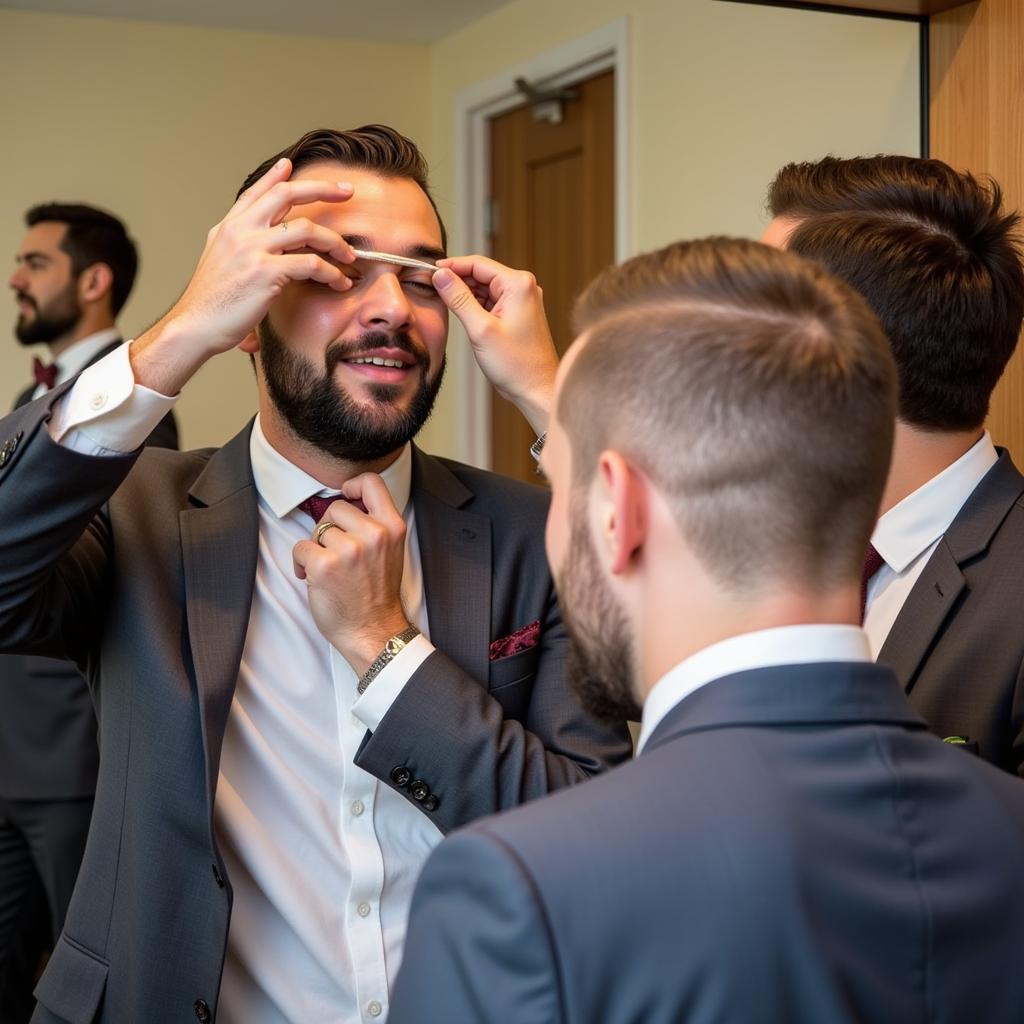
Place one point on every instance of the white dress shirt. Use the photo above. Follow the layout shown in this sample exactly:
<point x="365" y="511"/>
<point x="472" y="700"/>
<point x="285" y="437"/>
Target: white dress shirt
<point x="786" y="645"/>
<point x="908" y="534"/>
<point x="75" y="356"/>
<point x="322" y="858"/>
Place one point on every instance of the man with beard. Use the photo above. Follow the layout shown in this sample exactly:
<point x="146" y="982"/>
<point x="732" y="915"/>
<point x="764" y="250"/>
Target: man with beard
<point x="281" y="743"/>
<point x="75" y="270"/>
<point x="791" y="844"/>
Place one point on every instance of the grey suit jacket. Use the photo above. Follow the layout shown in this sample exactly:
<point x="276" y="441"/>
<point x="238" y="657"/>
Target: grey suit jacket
<point x="141" y="568"/>
<point x="48" y="748"/>
<point x="958" y="643"/>
<point x="792" y="847"/>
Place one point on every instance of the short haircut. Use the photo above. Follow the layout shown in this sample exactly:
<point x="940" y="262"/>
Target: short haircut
<point x="755" y="390"/>
<point x="373" y="147"/>
<point x="93" y="236"/>
<point x="939" y="261"/>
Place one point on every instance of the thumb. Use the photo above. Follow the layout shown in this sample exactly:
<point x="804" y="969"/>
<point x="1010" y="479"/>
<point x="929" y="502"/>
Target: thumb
<point x="461" y="301"/>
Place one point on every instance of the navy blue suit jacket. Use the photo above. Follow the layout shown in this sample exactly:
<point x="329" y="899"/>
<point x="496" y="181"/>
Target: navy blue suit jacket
<point x="791" y="846"/>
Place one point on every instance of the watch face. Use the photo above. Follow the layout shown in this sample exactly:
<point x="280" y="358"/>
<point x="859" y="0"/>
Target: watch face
<point x="393" y="646"/>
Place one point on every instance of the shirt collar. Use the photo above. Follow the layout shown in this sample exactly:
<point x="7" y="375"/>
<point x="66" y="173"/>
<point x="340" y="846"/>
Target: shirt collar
<point x="282" y="485"/>
<point x="75" y="357"/>
<point x="785" y="645"/>
<point x="908" y="529"/>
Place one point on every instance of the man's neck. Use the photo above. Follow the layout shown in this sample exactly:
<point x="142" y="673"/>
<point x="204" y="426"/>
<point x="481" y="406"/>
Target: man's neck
<point x="86" y="327"/>
<point x="919" y="455"/>
<point x="664" y="644"/>
<point x="331" y="472"/>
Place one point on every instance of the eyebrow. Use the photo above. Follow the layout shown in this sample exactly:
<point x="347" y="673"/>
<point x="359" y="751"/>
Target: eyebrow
<point x="427" y="253"/>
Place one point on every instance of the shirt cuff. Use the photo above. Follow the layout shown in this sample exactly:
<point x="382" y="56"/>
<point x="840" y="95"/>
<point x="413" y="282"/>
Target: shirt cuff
<point x="106" y="412"/>
<point x="374" y="704"/>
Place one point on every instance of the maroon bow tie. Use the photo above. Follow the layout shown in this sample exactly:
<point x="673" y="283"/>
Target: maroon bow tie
<point x="44" y="373"/>
<point x="315" y="507"/>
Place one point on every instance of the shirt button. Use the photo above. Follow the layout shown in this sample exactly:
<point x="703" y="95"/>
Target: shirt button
<point x="357" y="808"/>
<point x="374" y="1009"/>
<point x="363" y="910"/>
<point x="98" y="400"/>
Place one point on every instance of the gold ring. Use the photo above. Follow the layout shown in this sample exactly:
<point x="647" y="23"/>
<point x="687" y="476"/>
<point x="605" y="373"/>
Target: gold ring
<point x="321" y="530"/>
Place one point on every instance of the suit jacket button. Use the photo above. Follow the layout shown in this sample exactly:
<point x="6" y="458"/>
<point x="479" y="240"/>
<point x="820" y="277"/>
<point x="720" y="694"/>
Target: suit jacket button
<point x="419" y="791"/>
<point x="400" y="776"/>
<point x="431" y="803"/>
<point x="202" y="1011"/>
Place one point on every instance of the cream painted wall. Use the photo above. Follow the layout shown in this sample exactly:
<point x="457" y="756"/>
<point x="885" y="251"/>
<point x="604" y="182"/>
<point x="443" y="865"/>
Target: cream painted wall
<point x="160" y="124"/>
<point x="723" y="94"/>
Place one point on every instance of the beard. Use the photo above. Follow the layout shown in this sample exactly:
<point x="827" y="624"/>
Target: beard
<point x="600" y="661"/>
<point x="331" y="420"/>
<point x="58" y="317"/>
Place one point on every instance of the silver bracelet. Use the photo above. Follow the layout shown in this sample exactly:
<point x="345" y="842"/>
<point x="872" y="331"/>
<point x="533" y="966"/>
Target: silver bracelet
<point x="537" y="447"/>
<point x="391" y="648"/>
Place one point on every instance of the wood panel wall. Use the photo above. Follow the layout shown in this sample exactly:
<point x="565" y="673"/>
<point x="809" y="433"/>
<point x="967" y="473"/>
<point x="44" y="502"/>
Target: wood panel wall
<point x="977" y="124"/>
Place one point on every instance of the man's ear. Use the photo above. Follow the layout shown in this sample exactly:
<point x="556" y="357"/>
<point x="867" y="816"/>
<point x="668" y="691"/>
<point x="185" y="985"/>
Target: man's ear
<point x="95" y="282"/>
<point x="622" y="514"/>
<point x="250" y="343"/>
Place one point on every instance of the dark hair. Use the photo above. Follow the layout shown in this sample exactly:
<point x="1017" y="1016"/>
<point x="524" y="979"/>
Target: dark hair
<point x="758" y="393"/>
<point x="374" y="147"/>
<point x="93" y="236"/>
<point x="938" y="259"/>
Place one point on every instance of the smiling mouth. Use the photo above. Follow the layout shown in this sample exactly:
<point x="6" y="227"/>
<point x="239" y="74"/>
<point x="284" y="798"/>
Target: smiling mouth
<point x="397" y="364"/>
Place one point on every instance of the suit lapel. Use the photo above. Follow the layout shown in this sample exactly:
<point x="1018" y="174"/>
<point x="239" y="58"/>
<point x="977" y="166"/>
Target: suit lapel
<point x="937" y="589"/>
<point x="456" y="555"/>
<point x="922" y="615"/>
<point x="220" y="542"/>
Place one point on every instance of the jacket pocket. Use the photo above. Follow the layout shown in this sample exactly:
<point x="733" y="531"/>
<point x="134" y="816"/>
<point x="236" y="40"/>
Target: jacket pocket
<point x="73" y="983"/>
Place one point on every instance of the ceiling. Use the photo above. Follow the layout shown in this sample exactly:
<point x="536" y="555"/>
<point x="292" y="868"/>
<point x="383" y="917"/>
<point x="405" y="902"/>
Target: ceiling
<point x="393" y="21"/>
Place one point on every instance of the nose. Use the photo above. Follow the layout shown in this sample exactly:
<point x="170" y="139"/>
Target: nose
<point x="385" y="305"/>
<point x="17" y="280"/>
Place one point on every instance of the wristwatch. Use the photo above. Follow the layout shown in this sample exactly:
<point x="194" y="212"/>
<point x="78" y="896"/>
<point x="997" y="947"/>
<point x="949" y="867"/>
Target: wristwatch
<point x="391" y="648"/>
<point x="538" y="446"/>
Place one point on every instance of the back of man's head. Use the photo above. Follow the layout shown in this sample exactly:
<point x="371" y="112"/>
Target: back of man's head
<point x="754" y="390"/>
<point x="93" y="236"/>
<point x="936" y="256"/>
<point x="373" y="147"/>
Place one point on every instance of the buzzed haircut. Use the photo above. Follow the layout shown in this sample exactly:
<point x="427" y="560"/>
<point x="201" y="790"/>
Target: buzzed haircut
<point x="937" y="257"/>
<point x="373" y="147"/>
<point x="755" y="390"/>
<point x="93" y="236"/>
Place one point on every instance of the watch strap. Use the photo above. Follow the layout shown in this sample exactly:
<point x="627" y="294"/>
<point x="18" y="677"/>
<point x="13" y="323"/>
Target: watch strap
<point x="391" y="650"/>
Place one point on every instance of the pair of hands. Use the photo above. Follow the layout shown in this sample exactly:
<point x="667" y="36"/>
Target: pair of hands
<point x="354" y="577"/>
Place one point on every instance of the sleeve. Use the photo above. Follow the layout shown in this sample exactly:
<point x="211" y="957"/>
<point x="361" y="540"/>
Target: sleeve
<point x="478" y="946"/>
<point x="106" y="412"/>
<point x="453" y="748"/>
<point x="371" y="707"/>
<point x="54" y="536"/>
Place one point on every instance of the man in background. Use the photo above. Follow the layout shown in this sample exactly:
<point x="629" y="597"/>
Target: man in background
<point x="936" y="255"/>
<point x="791" y="843"/>
<point x="75" y="270"/>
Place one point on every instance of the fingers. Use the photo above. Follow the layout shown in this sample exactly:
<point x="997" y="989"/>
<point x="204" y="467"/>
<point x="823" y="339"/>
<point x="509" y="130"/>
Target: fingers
<point x="260" y="187"/>
<point x="273" y="205"/>
<point x="371" y="490"/>
<point x="301" y="232"/>
<point x="458" y="297"/>
<point x="309" y="266"/>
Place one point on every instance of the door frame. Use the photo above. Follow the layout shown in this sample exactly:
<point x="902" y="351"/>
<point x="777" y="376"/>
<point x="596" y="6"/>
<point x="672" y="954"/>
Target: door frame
<point x="605" y="48"/>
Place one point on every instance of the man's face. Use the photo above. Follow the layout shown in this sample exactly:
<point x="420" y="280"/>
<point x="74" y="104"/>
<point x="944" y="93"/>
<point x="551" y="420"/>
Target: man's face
<point x="601" y="662"/>
<point x="44" y="287"/>
<point x="322" y="351"/>
<point x="778" y="231"/>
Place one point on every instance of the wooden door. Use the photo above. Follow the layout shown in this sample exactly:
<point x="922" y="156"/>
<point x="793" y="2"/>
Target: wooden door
<point x="552" y="212"/>
<point x="977" y="124"/>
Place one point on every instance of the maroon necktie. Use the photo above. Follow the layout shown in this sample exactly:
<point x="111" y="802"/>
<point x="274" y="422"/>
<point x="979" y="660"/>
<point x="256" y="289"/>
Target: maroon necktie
<point x="315" y="507"/>
<point x="873" y="561"/>
<point x="44" y="373"/>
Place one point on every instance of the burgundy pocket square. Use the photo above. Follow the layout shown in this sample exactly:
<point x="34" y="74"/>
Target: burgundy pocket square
<point x="521" y="640"/>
